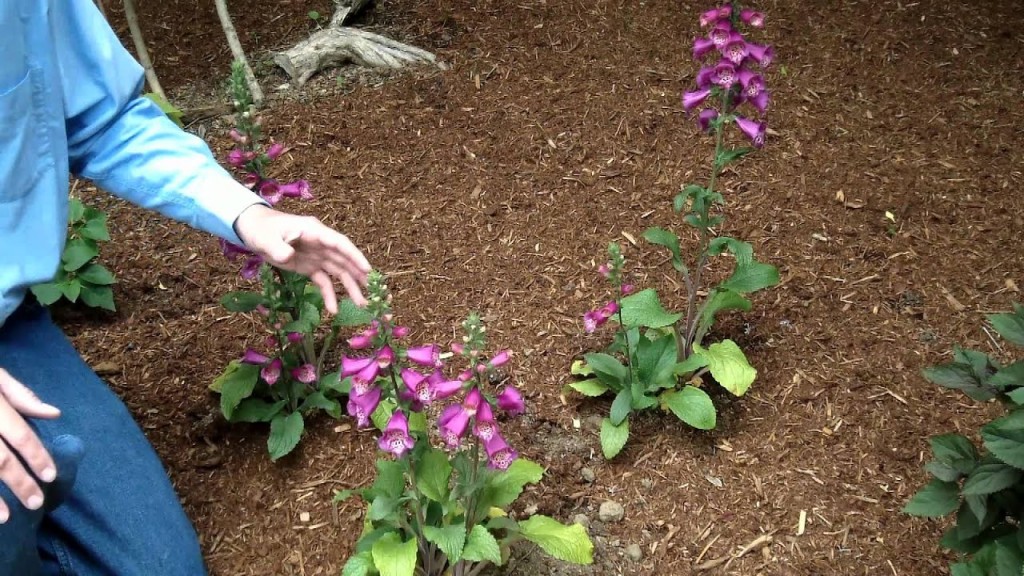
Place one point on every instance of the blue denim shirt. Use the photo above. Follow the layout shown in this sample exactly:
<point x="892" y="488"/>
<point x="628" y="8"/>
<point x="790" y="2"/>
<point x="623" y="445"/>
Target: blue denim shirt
<point x="70" y="102"/>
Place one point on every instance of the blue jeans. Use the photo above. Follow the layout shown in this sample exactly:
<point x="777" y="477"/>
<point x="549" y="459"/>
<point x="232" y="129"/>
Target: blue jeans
<point x="112" y="509"/>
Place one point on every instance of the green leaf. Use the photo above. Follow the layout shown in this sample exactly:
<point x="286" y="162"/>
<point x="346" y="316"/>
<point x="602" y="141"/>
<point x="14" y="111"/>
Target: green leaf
<point x="1005" y="440"/>
<point x="935" y="500"/>
<point x="959" y="376"/>
<point x="78" y="252"/>
<point x="608" y="369"/>
<point x="728" y="156"/>
<point x="242" y="301"/>
<point x="728" y="365"/>
<point x="433" y="473"/>
<point x="308" y="320"/>
<point x="990" y="478"/>
<point x="742" y="251"/>
<point x="1009" y="559"/>
<point x="580" y="368"/>
<point x="613" y="438"/>
<point x="567" y="543"/>
<point x="1017" y="396"/>
<point x="969" y="569"/>
<point x="450" y="539"/>
<point x="392" y="557"/>
<point x="333" y="383"/>
<point x="96" y="274"/>
<point x="381" y="507"/>
<point x="47" y="293"/>
<point x="382" y="414"/>
<point x="663" y="237"/>
<point x="621" y="406"/>
<point x="1010" y="326"/>
<point x="390" y="480"/>
<point x="167" y="108"/>
<point x="943" y="471"/>
<point x="318" y="400"/>
<point x="645" y="309"/>
<point x="951" y="448"/>
<point x="481" y="546"/>
<point x="285" y="432"/>
<point x="76" y="210"/>
<point x="751" y="277"/>
<point x="237" y="382"/>
<point x="1012" y="375"/>
<point x="71" y="288"/>
<point x="359" y="565"/>
<point x="687" y="367"/>
<point x="720" y="300"/>
<point x="418" y="422"/>
<point x="257" y="410"/>
<point x="654" y="362"/>
<point x="351" y="315"/>
<point x="98" y="297"/>
<point x="591" y="387"/>
<point x="691" y="405"/>
<point x="96" y="229"/>
<point x="507" y="485"/>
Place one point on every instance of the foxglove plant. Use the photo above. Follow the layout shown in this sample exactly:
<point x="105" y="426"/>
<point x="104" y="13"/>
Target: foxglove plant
<point x="438" y="504"/>
<point x="664" y="364"/>
<point x="284" y="379"/>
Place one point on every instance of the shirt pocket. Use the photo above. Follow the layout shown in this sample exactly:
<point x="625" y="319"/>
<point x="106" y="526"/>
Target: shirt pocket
<point x="20" y="164"/>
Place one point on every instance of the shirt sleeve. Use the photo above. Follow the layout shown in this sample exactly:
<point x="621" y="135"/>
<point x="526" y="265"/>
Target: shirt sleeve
<point x="124" y="142"/>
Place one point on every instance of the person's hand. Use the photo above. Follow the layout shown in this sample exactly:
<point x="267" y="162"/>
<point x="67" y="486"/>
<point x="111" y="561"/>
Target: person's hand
<point x="17" y="402"/>
<point x="304" y="245"/>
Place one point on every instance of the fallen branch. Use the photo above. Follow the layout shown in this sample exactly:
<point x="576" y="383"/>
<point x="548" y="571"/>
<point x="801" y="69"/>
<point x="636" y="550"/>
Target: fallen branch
<point x="237" y="52"/>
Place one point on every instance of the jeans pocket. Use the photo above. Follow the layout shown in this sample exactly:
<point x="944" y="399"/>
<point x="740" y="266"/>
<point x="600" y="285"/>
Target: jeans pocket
<point x="19" y="157"/>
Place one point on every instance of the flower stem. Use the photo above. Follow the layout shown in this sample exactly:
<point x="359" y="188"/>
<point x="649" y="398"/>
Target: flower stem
<point x="629" y="351"/>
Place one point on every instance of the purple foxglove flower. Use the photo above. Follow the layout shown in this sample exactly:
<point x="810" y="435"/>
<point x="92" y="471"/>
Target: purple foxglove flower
<point x="708" y="18"/>
<point x="350" y="366"/>
<point x="725" y="11"/>
<point x="251" y="269"/>
<point x="752" y="17"/>
<point x="362" y="406"/>
<point x="704" y="77"/>
<point x="609" y="309"/>
<point x="705" y="118"/>
<point x="360" y="341"/>
<point x="364" y="379"/>
<point x="236" y="158"/>
<point x="428" y="355"/>
<point x="452" y="425"/>
<point x="396" y="439"/>
<point x="720" y="34"/>
<point x="270" y="342"/>
<point x="592" y="320"/>
<point x="724" y="74"/>
<point x="295" y="337"/>
<point x="271" y="372"/>
<point x="760" y="101"/>
<point x="416" y="383"/>
<point x="499" y="454"/>
<point x="385" y="357"/>
<point x="399" y="332"/>
<point x="232" y="251"/>
<point x="271" y="191"/>
<point x="485" y="427"/>
<point x="238" y="136"/>
<point x="701" y="46"/>
<point x="736" y="49"/>
<point x="298" y="189"/>
<point x="253" y="357"/>
<point x="275" y="150"/>
<point x="441" y="387"/>
<point x="752" y="82"/>
<point x="500" y="359"/>
<point x="305" y="373"/>
<point x="753" y="129"/>
<point x="762" y="54"/>
<point x="627" y="289"/>
<point x="466" y="375"/>
<point x="458" y="348"/>
<point x="511" y="401"/>
<point x="604" y="270"/>
<point x="251" y="179"/>
<point x="693" y="99"/>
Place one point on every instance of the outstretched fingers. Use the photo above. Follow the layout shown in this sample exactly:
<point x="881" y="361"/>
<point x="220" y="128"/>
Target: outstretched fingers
<point x="18" y="439"/>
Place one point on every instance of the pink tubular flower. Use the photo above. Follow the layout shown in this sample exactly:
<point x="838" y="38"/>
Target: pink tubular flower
<point x="511" y="401"/>
<point x="270" y="191"/>
<point x="592" y="320"/>
<point x="500" y="359"/>
<point x="350" y="366"/>
<point x="253" y="357"/>
<point x="237" y="158"/>
<point x="362" y="406"/>
<point x="295" y="337"/>
<point x="452" y="425"/>
<point x="752" y="82"/>
<point x="271" y="372"/>
<point x="298" y="189"/>
<point x="753" y="129"/>
<point x="760" y="101"/>
<point x="735" y="50"/>
<point x="499" y="454"/>
<point x="627" y="289"/>
<point x="275" y="151"/>
<point x="232" y="251"/>
<point x="238" y="136"/>
<point x="458" y="347"/>
<point x="604" y="270"/>
<point x="399" y="332"/>
<point x="704" y="77"/>
<point x="694" y="99"/>
<point x="396" y="439"/>
<point x="428" y="355"/>
<point x="705" y="117"/>
<point x="724" y="74"/>
<point x="365" y="378"/>
<point x="708" y="18"/>
<point x="485" y="427"/>
<point x="702" y="46"/>
<point x="762" y="54"/>
<point x="251" y="268"/>
<point x="720" y="34"/>
<point x="360" y="341"/>
<point x="305" y="373"/>
<point x="609" y="309"/>
<point x="385" y="357"/>
<point x="466" y="375"/>
<point x="752" y="17"/>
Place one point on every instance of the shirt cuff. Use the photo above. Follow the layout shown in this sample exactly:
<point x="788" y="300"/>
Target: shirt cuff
<point x="224" y="201"/>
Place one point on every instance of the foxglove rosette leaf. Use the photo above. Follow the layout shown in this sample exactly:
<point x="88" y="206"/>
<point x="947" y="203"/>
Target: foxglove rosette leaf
<point x="395" y="439"/>
<point x="694" y="99"/>
<point x="361" y="406"/>
<point x="499" y="454"/>
<point x="511" y="401"/>
<point x="753" y="129"/>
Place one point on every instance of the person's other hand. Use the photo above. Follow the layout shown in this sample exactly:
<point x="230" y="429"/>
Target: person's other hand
<point x="304" y="245"/>
<point x="18" y="439"/>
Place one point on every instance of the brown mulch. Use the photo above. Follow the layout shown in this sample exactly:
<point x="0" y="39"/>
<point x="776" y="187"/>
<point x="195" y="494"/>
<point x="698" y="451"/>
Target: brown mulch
<point x="496" y="185"/>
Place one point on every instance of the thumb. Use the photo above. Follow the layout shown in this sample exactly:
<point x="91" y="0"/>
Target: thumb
<point x="24" y="400"/>
<point x="280" y="250"/>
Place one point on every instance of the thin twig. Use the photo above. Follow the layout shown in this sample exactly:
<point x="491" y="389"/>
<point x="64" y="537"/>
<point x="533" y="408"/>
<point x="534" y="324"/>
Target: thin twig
<point x="140" y="48"/>
<point x="238" y="52"/>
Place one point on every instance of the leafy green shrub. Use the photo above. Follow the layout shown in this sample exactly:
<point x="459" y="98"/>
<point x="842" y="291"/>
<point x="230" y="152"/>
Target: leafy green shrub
<point x="79" y="277"/>
<point x="985" y="487"/>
